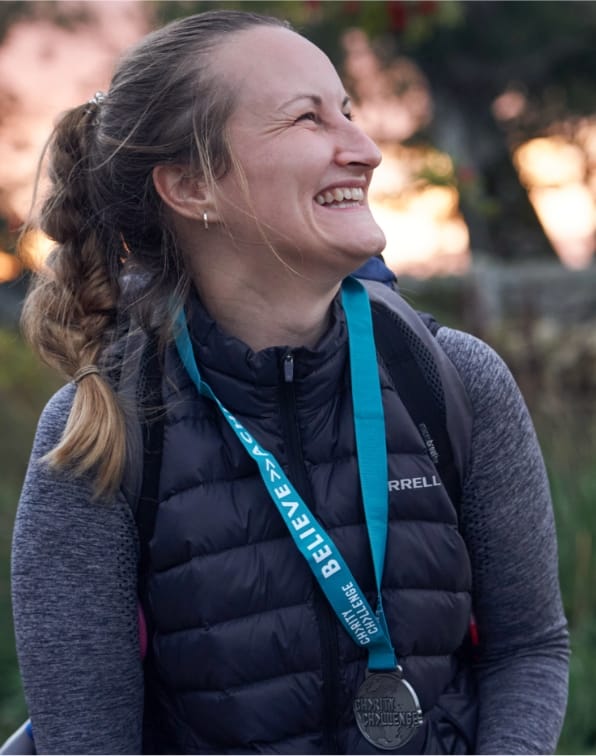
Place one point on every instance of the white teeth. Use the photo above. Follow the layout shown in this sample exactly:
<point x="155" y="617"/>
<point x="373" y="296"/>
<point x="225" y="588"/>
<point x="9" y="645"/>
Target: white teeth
<point x="340" y="195"/>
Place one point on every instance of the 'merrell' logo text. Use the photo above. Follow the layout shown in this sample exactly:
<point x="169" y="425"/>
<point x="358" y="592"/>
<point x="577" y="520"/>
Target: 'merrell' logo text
<point x="407" y="484"/>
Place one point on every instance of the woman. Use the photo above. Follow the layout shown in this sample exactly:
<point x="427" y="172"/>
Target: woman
<point x="218" y="196"/>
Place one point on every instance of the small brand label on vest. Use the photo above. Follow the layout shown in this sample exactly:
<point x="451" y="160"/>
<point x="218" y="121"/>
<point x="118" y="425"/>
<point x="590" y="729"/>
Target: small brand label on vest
<point x="430" y="444"/>
<point x="408" y="484"/>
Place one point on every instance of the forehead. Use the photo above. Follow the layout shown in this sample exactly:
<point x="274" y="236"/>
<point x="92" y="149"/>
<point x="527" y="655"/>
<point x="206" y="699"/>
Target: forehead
<point x="267" y="65"/>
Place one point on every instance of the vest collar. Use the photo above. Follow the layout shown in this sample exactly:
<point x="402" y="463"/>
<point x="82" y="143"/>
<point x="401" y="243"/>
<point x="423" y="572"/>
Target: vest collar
<point x="248" y="382"/>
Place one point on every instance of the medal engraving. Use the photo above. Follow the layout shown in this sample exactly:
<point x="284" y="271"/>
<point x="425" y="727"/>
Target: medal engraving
<point x="387" y="710"/>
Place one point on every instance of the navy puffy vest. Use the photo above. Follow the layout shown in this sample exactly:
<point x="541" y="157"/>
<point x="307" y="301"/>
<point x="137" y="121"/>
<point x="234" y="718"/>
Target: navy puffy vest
<point x="247" y="655"/>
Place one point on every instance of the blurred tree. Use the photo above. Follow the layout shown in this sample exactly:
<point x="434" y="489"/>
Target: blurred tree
<point x="12" y="11"/>
<point x="544" y="52"/>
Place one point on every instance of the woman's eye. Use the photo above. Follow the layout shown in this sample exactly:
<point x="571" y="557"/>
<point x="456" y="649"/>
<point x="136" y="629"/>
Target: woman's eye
<point x="349" y="116"/>
<point x="310" y="116"/>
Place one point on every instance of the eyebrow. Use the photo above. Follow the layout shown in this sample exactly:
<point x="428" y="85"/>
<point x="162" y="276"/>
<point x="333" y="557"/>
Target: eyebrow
<point x="315" y="99"/>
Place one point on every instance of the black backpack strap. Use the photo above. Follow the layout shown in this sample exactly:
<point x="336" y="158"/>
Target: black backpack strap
<point x="417" y="381"/>
<point x="415" y="375"/>
<point x="149" y="396"/>
<point x="149" y="400"/>
<point x="429" y="321"/>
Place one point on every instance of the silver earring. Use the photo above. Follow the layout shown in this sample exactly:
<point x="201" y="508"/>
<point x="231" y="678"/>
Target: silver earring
<point x="205" y="220"/>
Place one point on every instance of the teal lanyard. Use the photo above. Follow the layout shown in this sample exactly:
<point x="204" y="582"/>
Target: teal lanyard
<point x="367" y="628"/>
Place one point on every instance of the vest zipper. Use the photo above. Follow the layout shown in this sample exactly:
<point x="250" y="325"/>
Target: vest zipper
<point x="324" y="613"/>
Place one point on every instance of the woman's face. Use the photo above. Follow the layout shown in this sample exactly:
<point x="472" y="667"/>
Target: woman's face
<point x="307" y="166"/>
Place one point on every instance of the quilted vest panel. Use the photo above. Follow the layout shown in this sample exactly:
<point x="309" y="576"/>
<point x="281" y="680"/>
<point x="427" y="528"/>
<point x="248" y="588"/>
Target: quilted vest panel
<point x="247" y="655"/>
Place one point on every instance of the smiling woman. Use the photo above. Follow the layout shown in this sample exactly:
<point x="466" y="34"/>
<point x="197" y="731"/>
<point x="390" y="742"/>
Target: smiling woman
<point x="274" y="508"/>
<point x="291" y="142"/>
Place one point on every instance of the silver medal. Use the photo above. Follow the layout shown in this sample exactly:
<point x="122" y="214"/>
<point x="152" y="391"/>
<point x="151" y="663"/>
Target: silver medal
<point x="387" y="710"/>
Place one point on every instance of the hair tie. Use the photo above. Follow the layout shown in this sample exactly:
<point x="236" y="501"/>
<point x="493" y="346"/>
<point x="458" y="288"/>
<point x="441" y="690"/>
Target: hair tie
<point x="93" y="106"/>
<point x="84" y="371"/>
<point x="98" y="98"/>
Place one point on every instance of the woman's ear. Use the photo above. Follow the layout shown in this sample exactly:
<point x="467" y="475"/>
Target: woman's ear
<point x="184" y="193"/>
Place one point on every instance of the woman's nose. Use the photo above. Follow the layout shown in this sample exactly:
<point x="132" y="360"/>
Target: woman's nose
<point x="354" y="146"/>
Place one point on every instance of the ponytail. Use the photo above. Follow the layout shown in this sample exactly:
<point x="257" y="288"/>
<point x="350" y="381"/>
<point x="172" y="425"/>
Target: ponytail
<point x="69" y="315"/>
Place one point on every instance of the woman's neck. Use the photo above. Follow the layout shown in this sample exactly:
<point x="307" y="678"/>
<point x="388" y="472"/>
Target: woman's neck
<point x="278" y="310"/>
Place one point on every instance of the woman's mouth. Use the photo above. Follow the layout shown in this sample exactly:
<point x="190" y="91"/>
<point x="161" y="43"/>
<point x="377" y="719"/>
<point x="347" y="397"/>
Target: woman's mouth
<point x="341" y="197"/>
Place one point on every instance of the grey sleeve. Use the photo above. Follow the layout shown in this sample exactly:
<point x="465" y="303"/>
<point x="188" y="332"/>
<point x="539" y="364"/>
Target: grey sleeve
<point x="508" y="525"/>
<point x="74" y="575"/>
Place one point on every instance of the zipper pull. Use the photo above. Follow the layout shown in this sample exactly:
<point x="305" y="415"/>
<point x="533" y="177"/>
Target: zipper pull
<point x="289" y="367"/>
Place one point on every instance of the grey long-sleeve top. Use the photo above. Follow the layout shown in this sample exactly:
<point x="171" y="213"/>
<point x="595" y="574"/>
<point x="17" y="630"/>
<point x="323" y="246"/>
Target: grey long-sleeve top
<point x="74" y="585"/>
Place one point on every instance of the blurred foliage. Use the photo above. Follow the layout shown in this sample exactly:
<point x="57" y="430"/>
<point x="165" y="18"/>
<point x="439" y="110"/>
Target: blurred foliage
<point x="569" y="442"/>
<point x="13" y="11"/>
<point x="23" y="385"/>
<point x="482" y="45"/>
<point x="24" y="388"/>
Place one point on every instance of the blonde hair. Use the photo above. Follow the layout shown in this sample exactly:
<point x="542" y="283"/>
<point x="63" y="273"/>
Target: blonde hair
<point x="165" y="105"/>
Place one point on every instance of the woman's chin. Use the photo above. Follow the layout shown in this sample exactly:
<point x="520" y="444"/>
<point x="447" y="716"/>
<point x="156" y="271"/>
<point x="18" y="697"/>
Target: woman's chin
<point x="366" y="246"/>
